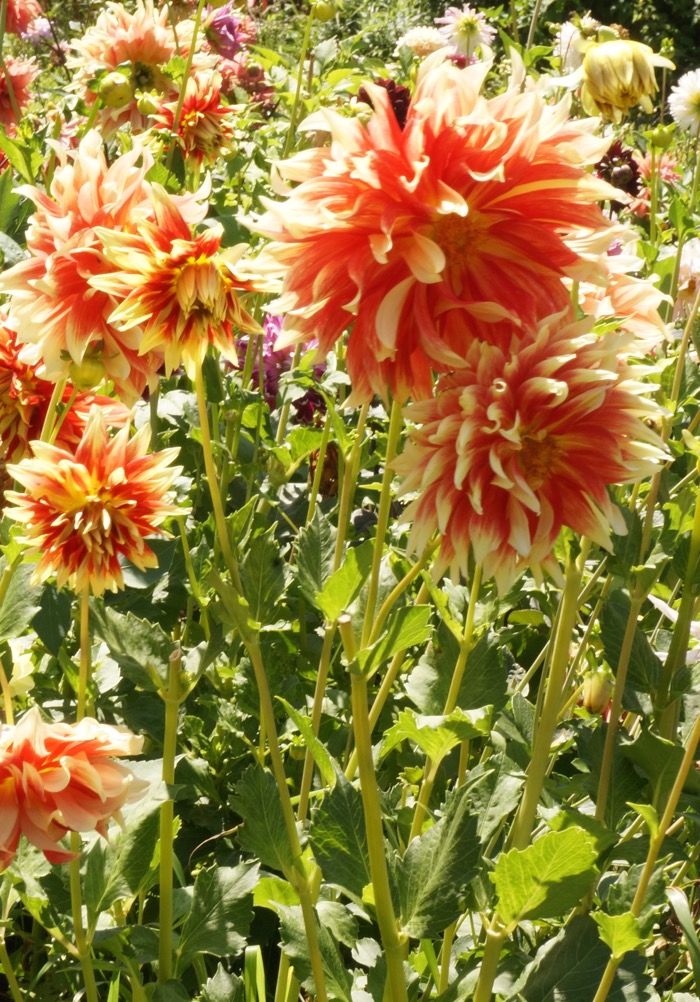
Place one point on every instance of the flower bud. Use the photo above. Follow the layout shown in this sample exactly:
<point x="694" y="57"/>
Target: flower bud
<point x="324" y="10"/>
<point x="115" y="90"/>
<point x="597" y="690"/>
<point x="619" y="75"/>
<point x="88" y="374"/>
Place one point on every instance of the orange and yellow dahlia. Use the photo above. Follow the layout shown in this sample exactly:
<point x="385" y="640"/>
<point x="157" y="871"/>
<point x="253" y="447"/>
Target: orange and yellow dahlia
<point x="58" y="778"/>
<point x="177" y="286"/>
<point x="205" y="125"/>
<point x="421" y="238"/>
<point x="517" y="444"/>
<point x="87" y="510"/>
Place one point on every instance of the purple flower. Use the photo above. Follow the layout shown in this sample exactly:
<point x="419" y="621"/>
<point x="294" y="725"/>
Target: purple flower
<point x="228" y="32"/>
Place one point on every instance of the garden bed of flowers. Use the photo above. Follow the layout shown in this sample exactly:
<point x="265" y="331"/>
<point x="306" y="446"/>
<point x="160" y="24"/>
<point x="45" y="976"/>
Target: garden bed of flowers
<point x="350" y="541"/>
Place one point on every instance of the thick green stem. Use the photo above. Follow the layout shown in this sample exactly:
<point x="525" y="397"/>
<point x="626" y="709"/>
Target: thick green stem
<point x="213" y="480"/>
<point x="568" y="612"/>
<point x="616" y="705"/>
<point x="183" y="86"/>
<point x="495" y="935"/>
<point x="655" y="845"/>
<point x="85" y="653"/>
<point x="393" y="944"/>
<point x="385" y="498"/>
<point x="298" y="876"/>
<point x="81" y="942"/>
<point x="6" y="966"/>
<point x="171" y="699"/>
<point x="450" y="703"/>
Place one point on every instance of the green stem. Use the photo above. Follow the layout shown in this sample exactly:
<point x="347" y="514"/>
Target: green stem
<point x="613" y="720"/>
<point x="385" y="499"/>
<point x="347" y="490"/>
<point x="171" y="699"/>
<point x="6" y="698"/>
<point x="213" y="481"/>
<point x="683" y="350"/>
<point x="319" y="691"/>
<point x="318" y="472"/>
<point x="398" y="590"/>
<point x="533" y="24"/>
<point x="654" y="187"/>
<point x="300" y="79"/>
<point x="81" y="942"/>
<point x="678" y="649"/>
<point x="298" y="876"/>
<point x="192" y="577"/>
<point x="369" y="789"/>
<point x="52" y="411"/>
<point x="183" y="85"/>
<point x="85" y="653"/>
<point x="8" y="970"/>
<point x="287" y="405"/>
<point x="450" y="703"/>
<point x="495" y="935"/>
<point x="539" y="762"/>
<point x="653" y="852"/>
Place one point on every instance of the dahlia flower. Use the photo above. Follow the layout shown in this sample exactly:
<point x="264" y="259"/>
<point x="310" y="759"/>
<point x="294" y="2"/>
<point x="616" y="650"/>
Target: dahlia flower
<point x="684" y="102"/>
<point x="422" y="238"/>
<point x="228" y="31"/>
<point x="466" y="30"/>
<point x="619" y="75"/>
<point x="20" y="15"/>
<point x="205" y="127"/>
<point x="25" y="399"/>
<point x="177" y="287"/>
<point x="688" y="277"/>
<point x="21" y="74"/>
<point x="84" y="509"/>
<point x="422" y="40"/>
<point x="58" y="778"/>
<point x="519" y="443"/>
<point x="59" y="316"/>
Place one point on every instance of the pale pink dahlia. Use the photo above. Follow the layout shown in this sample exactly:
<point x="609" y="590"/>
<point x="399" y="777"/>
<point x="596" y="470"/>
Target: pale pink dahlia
<point x="516" y="445"/>
<point x="19" y="75"/>
<point x="421" y="238"/>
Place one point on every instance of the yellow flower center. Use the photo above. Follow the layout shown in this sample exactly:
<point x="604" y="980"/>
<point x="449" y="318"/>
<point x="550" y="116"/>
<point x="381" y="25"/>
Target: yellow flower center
<point x="538" y="457"/>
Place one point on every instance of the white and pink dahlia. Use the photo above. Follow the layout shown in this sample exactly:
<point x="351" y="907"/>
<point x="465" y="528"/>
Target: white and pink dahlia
<point x="516" y="445"/>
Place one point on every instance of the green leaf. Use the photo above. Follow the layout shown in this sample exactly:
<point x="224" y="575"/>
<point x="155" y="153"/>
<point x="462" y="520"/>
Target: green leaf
<point x="21" y="603"/>
<point x="660" y="761"/>
<point x="679" y="903"/>
<point x="344" y="584"/>
<point x="270" y="892"/>
<point x="406" y="627"/>
<point x="339" y="840"/>
<point x="257" y="800"/>
<point x="221" y="913"/>
<point x="319" y="751"/>
<point x="437" y="868"/>
<point x="315" y="554"/>
<point x="223" y="987"/>
<point x="569" y="968"/>
<point x="437" y="735"/>
<point x="644" y="669"/>
<point x="54" y="618"/>
<point x="484" y="683"/>
<point x="295" y="945"/>
<point x="9" y="201"/>
<point x="171" y="991"/>
<point x="119" y="869"/>
<point x="17" y="155"/>
<point x="254" y="975"/>
<point x="495" y="792"/>
<point x="650" y="816"/>
<point x="141" y="649"/>
<point x="547" y="878"/>
<point x="263" y="577"/>
<point x="620" y="932"/>
<point x="11" y="251"/>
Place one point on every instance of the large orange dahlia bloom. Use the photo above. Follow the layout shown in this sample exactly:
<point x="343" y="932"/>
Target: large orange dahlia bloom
<point x="59" y="315"/>
<point x="178" y="286"/>
<point x="56" y="778"/>
<point x="422" y="237"/>
<point x="84" y="510"/>
<point x="517" y="444"/>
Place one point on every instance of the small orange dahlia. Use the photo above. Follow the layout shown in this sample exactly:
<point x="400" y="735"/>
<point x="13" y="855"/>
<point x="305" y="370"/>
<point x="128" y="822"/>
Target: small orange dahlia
<point x="517" y="444"/>
<point x="177" y="286"/>
<point x="58" y="778"/>
<point x="421" y="237"/>
<point x="85" y="510"/>
<point x="25" y="399"/>
<point x="205" y="126"/>
<point x="20" y="15"/>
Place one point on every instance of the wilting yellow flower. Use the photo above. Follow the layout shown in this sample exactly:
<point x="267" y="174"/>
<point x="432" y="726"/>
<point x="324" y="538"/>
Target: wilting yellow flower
<point x="619" y="75"/>
<point x="84" y="510"/>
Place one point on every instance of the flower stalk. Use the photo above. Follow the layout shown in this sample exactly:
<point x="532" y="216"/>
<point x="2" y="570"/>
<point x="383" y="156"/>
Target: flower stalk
<point x="171" y="698"/>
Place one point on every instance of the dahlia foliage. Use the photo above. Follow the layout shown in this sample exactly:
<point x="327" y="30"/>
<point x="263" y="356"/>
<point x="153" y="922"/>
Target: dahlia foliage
<point x="338" y="342"/>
